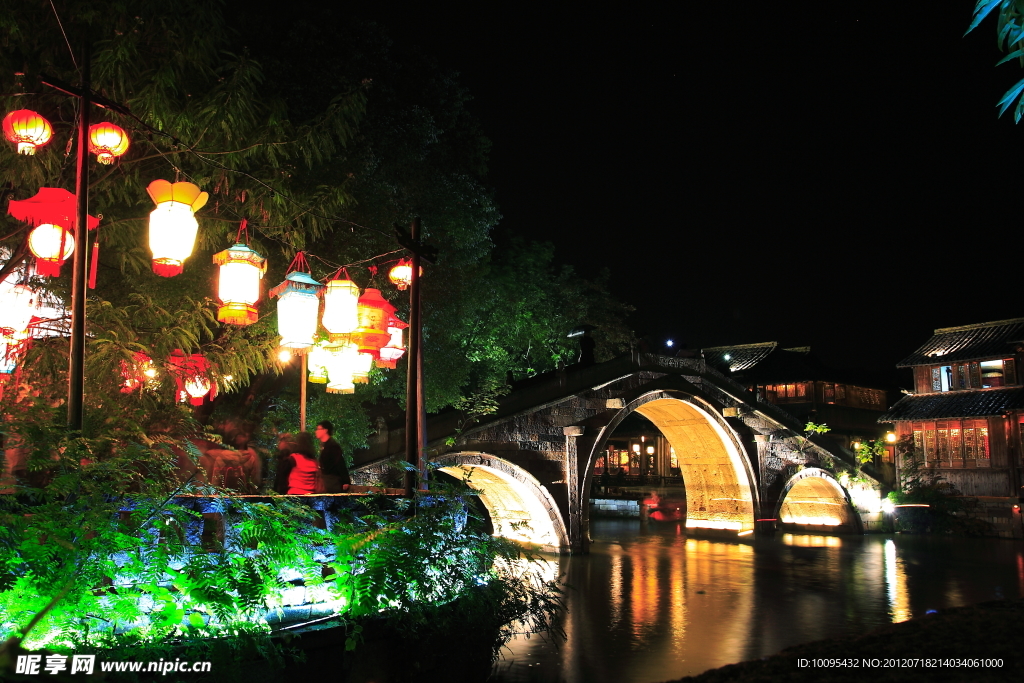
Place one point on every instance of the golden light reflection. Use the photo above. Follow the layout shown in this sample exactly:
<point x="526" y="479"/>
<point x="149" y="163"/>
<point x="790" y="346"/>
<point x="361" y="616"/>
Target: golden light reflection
<point x="896" y="585"/>
<point x="810" y="541"/>
<point x="712" y="524"/>
<point x="616" y="587"/>
<point x="820" y="521"/>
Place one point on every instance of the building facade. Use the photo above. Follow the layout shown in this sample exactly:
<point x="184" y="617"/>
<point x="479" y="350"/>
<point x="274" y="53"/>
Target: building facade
<point x="966" y="414"/>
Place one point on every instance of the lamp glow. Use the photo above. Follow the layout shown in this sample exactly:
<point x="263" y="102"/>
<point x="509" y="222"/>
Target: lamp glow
<point x="341" y="301"/>
<point x="241" y="270"/>
<point x="298" y="308"/>
<point x="172" y="225"/>
<point x="51" y="245"/>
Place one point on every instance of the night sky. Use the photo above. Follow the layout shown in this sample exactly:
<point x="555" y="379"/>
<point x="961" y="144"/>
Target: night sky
<point x="813" y="174"/>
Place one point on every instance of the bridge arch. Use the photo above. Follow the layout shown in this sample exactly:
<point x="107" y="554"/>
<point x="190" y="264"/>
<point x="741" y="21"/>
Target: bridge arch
<point x="520" y="507"/>
<point x="716" y="468"/>
<point x="814" y="498"/>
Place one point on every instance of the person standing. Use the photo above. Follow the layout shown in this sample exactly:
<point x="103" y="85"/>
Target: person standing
<point x="332" y="461"/>
<point x="298" y="472"/>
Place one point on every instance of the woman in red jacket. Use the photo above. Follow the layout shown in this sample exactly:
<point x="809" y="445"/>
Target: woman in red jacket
<point x="298" y="471"/>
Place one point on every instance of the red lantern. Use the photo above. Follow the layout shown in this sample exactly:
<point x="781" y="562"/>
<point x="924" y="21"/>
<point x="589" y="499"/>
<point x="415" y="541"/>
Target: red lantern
<point x="53" y="212"/>
<point x="374" y="313"/>
<point x="137" y="373"/>
<point x="27" y="129"/>
<point x="191" y="375"/>
<point x="51" y="245"/>
<point x="107" y="141"/>
<point x="401" y="274"/>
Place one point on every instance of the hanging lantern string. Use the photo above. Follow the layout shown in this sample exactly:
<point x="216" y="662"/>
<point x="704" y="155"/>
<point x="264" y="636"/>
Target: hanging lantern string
<point x="334" y="266"/>
<point x="244" y="228"/>
<point x="299" y="263"/>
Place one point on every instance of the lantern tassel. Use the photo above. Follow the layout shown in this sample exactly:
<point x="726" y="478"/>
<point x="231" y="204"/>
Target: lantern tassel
<point x="93" y="263"/>
<point x="48" y="268"/>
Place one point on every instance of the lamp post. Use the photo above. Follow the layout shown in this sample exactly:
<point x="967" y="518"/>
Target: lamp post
<point x="415" y="408"/>
<point x="76" y="362"/>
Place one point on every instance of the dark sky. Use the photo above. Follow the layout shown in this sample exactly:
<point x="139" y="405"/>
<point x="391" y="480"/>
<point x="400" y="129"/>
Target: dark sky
<point x="811" y="174"/>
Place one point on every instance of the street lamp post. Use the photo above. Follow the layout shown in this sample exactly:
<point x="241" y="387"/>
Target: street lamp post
<point x="415" y="407"/>
<point x="76" y="363"/>
<point x="79" y="275"/>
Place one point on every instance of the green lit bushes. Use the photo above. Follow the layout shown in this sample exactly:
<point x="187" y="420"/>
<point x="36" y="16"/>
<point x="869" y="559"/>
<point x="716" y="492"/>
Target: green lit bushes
<point x="104" y="556"/>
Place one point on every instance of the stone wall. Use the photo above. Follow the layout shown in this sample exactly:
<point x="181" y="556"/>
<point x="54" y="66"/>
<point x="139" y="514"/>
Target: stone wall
<point x="614" y="507"/>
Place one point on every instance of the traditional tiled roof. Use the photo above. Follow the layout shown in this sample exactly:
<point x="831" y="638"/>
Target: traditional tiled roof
<point x="954" y="404"/>
<point x="969" y="342"/>
<point x="739" y="357"/>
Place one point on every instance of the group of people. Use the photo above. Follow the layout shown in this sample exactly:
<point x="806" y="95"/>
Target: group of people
<point x="300" y="472"/>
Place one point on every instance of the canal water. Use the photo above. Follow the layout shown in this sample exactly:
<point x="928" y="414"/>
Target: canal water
<point x="651" y="604"/>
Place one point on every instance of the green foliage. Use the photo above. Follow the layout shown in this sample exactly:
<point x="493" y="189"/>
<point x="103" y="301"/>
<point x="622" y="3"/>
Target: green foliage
<point x="1009" y="36"/>
<point x="947" y="511"/>
<point x="100" y="557"/>
<point x="867" y="451"/>
<point x="810" y="429"/>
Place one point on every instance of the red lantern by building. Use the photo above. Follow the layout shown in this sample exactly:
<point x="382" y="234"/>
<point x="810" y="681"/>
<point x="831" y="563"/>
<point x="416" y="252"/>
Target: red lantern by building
<point x="27" y="129"/>
<point x="192" y="377"/>
<point x="107" y="141"/>
<point x="53" y="213"/>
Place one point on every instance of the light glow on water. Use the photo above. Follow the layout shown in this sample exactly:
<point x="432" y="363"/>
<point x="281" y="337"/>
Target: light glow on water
<point x="651" y="604"/>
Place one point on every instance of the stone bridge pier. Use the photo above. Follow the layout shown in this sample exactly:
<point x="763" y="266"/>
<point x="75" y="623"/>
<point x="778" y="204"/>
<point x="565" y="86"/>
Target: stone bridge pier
<point x="745" y="464"/>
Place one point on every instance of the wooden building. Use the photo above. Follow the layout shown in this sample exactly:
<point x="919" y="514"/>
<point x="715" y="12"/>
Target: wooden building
<point x="967" y="412"/>
<point x="849" y="402"/>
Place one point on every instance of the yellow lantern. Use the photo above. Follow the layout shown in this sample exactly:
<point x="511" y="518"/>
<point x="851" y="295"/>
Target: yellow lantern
<point x="107" y="141"/>
<point x="340" y="361"/>
<point x="27" y="129"/>
<point x="341" y="300"/>
<point x="172" y="225"/>
<point x="51" y="245"/>
<point x="361" y="368"/>
<point x="241" y="270"/>
<point x="298" y="308"/>
<point x="317" y="362"/>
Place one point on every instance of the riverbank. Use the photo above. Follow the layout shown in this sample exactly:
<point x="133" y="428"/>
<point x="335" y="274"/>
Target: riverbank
<point x="990" y="630"/>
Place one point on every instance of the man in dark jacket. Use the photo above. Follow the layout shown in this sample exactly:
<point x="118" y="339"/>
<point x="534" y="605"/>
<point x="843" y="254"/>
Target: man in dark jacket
<point x="332" y="462"/>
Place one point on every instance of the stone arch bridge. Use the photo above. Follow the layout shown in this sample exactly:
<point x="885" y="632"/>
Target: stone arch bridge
<point x="745" y="463"/>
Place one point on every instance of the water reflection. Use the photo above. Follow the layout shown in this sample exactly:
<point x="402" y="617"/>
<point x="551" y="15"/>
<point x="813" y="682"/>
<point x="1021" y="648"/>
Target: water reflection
<point x="650" y="604"/>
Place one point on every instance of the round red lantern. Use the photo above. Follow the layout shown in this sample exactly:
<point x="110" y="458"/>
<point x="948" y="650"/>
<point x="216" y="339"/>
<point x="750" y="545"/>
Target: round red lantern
<point x="137" y="373"/>
<point x="401" y="275"/>
<point x="107" y="141"/>
<point x="191" y="374"/>
<point x="27" y="129"/>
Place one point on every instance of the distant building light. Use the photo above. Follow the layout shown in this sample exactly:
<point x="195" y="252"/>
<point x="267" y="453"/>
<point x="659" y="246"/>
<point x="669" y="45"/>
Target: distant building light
<point x="890" y="437"/>
<point x="727" y="357"/>
<point x="669" y="342"/>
